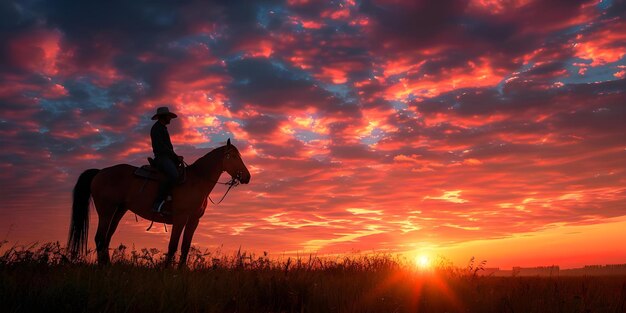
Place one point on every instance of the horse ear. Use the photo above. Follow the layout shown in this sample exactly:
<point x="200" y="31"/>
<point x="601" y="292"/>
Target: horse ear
<point x="228" y="143"/>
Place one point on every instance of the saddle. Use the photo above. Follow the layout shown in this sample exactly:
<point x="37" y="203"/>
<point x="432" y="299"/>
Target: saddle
<point x="151" y="172"/>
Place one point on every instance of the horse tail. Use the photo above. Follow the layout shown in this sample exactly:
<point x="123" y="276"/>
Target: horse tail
<point x="79" y="225"/>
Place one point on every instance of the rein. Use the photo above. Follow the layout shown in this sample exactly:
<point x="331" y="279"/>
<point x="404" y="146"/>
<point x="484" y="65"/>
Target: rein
<point x="231" y="183"/>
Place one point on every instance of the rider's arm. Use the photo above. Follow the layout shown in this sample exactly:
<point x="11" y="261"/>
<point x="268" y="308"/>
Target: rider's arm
<point x="160" y="143"/>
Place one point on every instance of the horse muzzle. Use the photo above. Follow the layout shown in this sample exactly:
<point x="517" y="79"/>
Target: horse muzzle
<point x="243" y="177"/>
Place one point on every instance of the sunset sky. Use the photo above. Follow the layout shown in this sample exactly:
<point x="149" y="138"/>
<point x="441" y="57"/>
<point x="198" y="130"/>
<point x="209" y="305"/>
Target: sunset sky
<point x="486" y="128"/>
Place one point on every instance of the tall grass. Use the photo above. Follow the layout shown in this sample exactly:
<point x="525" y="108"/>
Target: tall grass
<point x="41" y="278"/>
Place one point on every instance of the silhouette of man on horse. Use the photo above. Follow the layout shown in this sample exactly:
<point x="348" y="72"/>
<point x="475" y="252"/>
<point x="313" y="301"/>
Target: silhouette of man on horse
<point x="165" y="159"/>
<point x="117" y="189"/>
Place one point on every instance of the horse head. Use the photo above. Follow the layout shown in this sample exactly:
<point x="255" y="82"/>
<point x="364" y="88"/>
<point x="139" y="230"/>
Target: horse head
<point x="233" y="164"/>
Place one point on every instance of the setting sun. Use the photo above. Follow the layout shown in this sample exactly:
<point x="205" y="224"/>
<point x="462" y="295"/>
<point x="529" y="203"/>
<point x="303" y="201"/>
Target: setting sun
<point x="423" y="262"/>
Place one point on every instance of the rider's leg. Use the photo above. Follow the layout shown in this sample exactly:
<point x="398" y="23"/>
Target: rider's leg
<point x="168" y="167"/>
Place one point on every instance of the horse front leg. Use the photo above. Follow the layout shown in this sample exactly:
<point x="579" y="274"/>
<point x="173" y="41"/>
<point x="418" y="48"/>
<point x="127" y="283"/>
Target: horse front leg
<point x="190" y="228"/>
<point x="177" y="229"/>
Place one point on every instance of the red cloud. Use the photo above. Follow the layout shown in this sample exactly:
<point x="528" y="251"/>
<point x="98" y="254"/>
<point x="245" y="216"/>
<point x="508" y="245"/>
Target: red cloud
<point x="36" y="50"/>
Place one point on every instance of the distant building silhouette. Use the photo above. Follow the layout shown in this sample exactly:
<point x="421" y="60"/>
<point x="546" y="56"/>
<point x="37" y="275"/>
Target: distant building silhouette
<point x="552" y="270"/>
<point x="555" y="270"/>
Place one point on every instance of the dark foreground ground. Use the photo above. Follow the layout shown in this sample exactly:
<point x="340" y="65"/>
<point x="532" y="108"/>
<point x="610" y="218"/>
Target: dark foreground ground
<point x="43" y="280"/>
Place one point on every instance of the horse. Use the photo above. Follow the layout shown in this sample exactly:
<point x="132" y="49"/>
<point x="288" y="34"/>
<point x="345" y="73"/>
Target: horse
<point x="115" y="190"/>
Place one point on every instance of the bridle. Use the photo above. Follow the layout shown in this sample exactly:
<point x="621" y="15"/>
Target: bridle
<point x="233" y="182"/>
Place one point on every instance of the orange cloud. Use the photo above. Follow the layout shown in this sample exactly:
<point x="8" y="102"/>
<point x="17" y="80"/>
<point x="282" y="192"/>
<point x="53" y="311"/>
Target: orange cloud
<point x="453" y="196"/>
<point x="600" y="46"/>
<point x="427" y="86"/>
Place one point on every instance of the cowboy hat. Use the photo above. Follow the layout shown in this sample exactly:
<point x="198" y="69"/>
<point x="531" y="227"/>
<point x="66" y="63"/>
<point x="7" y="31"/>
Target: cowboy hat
<point x="164" y="111"/>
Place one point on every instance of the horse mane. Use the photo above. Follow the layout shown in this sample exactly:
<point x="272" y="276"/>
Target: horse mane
<point x="203" y="163"/>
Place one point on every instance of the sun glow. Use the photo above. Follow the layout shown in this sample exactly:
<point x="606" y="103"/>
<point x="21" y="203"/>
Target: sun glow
<point x="423" y="262"/>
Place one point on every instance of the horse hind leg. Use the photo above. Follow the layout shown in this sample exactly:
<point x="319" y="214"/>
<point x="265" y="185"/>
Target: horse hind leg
<point x="107" y="224"/>
<point x="101" y="249"/>
<point x="115" y="221"/>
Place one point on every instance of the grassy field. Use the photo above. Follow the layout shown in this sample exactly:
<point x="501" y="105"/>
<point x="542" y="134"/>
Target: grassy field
<point x="40" y="278"/>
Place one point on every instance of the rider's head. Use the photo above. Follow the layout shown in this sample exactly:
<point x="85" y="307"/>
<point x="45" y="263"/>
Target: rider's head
<point x="165" y="119"/>
<point x="164" y="115"/>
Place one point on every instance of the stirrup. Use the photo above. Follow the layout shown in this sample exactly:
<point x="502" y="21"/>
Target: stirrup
<point x="158" y="209"/>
